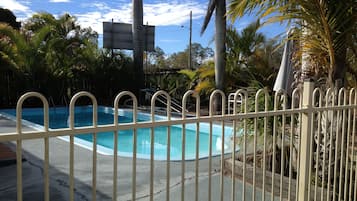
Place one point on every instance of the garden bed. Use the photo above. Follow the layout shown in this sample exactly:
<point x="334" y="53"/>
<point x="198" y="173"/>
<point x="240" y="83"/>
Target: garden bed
<point x="238" y="174"/>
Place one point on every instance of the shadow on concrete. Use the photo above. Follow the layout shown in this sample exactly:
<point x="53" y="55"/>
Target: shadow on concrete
<point x="33" y="188"/>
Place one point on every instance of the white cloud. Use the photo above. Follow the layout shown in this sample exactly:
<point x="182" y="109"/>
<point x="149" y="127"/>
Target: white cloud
<point x="21" y="9"/>
<point x="159" y="14"/>
<point x="14" y="6"/>
<point x="172" y="13"/>
<point x="60" y="1"/>
<point x="92" y="19"/>
<point x="122" y="14"/>
<point x="170" y="41"/>
<point x="96" y="5"/>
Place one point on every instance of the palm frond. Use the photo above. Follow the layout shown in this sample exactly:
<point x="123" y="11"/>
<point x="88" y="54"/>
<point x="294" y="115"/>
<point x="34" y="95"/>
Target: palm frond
<point x="206" y="87"/>
<point x="206" y="73"/>
<point x="210" y="9"/>
<point x="189" y="73"/>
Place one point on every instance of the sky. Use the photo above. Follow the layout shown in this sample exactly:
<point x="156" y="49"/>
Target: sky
<point x="170" y="18"/>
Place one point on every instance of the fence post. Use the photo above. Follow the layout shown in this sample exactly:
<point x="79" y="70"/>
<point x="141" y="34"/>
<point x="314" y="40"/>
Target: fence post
<point x="305" y="137"/>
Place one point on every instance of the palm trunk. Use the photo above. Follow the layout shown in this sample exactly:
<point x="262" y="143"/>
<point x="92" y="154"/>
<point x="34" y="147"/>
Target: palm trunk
<point x="340" y="69"/>
<point x="220" y="54"/>
<point x="306" y="69"/>
<point x="220" y="43"/>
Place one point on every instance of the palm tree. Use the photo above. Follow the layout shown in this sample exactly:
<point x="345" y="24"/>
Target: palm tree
<point x="11" y="62"/>
<point x="325" y="28"/>
<point x="220" y="38"/>
<point x="20" y="56"/>
<point x="241" y="46"/>
<point x="10" y="39"/>
<point x="63" y="41"/>
<point x="249" y="61"/>
<point x="201" y="79"/>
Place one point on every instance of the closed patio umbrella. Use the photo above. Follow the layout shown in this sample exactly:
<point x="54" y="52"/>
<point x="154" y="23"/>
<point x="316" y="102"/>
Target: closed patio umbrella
<point x="285" y="75"/>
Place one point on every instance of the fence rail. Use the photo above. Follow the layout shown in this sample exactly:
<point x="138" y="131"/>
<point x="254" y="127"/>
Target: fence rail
<point x="301" y="147"/>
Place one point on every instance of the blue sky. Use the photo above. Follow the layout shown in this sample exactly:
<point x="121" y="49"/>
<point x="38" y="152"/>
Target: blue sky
<point x="171" y="18"/>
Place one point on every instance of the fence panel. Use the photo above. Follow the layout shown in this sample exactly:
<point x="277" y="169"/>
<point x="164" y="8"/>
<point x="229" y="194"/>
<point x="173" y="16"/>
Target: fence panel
<point x="298" y="147"/>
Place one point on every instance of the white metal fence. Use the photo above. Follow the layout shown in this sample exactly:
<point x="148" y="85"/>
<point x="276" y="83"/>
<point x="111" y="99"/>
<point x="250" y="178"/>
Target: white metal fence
<point x="299" y="148"/>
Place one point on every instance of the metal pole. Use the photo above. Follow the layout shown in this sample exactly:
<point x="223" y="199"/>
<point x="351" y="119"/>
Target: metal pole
<point x="146" y="53"/>
<point x="112" y="38"/>
<point x="190" y="44"/>
<point x="305" y="142"/>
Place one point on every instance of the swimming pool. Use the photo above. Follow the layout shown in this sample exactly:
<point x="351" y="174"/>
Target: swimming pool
<point x="58" y="118"/>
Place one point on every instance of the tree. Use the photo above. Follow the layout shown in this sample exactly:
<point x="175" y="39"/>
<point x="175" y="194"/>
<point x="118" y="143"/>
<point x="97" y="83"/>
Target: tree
<point x="10" y="41"/>
<point x="199" y="55"/>
<point x="9" y="59"/>
<point x="8" y="17"/>
<point x="56" y="57"/>
<point x="178" y="60"/>
<point x="220" y="37"/>
<point x="19" y="57"/>
<point x="48" y="51"/>
<point x="250" y="58"/>
<point x="242" y="46"/>
<point x="250" y="62"/>
<point x="325" y="28"/>
<point x="156" y="59"/>
<point x="64" y="43"/>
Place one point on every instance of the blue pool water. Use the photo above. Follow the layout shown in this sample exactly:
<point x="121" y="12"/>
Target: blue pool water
<point x="58" y="118"/>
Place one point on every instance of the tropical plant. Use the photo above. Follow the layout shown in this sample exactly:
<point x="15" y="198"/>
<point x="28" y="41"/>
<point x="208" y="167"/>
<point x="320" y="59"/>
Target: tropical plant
<point x="20" y="55"/>
<point x="56" y="57"/>
<point x="65" y="40"/>
<point x="325" y="28"/>
<point x="201" y="79"/>
<point x="11" y="62"/>
<point x="249" y="62"/>
<point x="10" y="42"/>
<point x="250" y="57"/>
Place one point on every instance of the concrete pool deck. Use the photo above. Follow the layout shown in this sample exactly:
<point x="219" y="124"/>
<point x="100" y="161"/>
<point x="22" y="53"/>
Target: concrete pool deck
<point x="59" y="171"/>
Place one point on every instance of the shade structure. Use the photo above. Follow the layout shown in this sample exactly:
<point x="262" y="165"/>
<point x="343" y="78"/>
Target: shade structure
<point x="285" y="75"/>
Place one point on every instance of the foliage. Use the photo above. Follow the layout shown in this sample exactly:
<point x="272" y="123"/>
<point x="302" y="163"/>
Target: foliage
<point x="9" y="18"/>
<point x="202" y="79"/>
<point x="10" y="42"/>
<point x="250" y="57"/>
<point x="156" y="59"/>
<point x="198" y="54"/>
<point x="325" y="28"/>
<point x="57" y="57"/>
<point x="173" y="83"/>
<point x="250" y="62"/>
<point x="110" y="75"/>
<point x="171" y="73"/>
